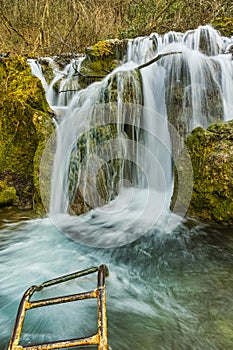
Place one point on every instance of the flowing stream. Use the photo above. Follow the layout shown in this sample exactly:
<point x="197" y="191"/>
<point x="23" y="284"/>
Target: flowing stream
<point x="171" y="281"/>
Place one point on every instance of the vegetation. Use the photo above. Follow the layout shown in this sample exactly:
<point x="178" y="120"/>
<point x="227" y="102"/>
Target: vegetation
<point x="24" y="129"/>
<point x="211" y="154"/>
<point x="53" y="27"/>
<point x="49" y="27"/>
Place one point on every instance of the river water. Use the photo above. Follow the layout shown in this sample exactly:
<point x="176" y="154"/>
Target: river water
<point x="171" y="283"/>
<point x="165" y="291"/>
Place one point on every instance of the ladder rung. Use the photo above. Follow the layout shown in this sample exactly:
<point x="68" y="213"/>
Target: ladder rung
<point x="100" y="338"/>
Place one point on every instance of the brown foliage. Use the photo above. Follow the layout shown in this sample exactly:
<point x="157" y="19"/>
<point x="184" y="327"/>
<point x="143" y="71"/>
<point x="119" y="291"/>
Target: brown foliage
<point x="47" y="27"/>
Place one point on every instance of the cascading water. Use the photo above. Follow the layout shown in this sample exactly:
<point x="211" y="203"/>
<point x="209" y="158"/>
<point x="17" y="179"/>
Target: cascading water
<point x="165" y="291"/>
<point x="183" y="89"/>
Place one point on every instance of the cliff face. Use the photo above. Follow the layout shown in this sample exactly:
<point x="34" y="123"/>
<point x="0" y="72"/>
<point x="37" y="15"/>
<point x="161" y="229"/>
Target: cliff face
<point x="25" y="124"/>
<point x="211" y="153"/>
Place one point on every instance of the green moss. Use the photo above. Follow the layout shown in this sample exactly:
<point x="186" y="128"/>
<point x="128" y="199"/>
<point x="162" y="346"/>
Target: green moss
<point x="102" y="58"/>
<point x="7" y="195"/>
<point x="102" y="49"/>
<point x="211" y="153"/>
<point x="224" y="25"/>
<point x="23" y="126"/>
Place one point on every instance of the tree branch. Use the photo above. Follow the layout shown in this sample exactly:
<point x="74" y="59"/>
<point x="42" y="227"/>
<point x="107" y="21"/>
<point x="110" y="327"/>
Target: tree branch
<point x="146" y="64"/>
<point x="9" y="25"/>
<point x="69" y="31"/>
<point x="157" y="57"/>
<point x="164" y="9"/>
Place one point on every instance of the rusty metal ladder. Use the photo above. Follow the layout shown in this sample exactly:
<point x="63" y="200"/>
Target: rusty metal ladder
<point x="100" y="338"/>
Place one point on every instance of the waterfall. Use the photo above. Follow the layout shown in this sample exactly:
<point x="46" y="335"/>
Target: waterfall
<point x="115" y="151"/>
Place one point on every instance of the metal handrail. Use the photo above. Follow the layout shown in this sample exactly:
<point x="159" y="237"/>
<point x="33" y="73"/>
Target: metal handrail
<point x="100" y="338"/>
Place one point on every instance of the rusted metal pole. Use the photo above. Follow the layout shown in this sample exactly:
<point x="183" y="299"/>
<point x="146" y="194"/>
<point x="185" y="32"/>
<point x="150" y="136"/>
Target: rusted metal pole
<point x="23" y="306"/>
<point x="102" y="314"/>
<point x="65" y="344"/>
<point x="69" y="277"/>
<point x="100" y="339"/>
<point x="63" y="299"/>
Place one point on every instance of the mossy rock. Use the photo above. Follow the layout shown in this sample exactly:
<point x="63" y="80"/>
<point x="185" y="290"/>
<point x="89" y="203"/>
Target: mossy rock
<point x="211" y="153"/>
<point x="101" y="59"/>
<point x="88" y="189"/>
<point x="25" y="125"/>
<point x="112" y="48"/>
<point x="8" y="195"/>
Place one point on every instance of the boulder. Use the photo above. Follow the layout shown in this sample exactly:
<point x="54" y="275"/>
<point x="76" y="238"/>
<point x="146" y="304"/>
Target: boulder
<point x="101" y="59"/>
<point x="211" y="154"/>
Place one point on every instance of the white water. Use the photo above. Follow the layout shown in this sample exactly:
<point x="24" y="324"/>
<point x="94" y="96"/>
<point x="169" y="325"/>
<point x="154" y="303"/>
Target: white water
<point x="199" y="68"/>
<point x="165" y="292"/>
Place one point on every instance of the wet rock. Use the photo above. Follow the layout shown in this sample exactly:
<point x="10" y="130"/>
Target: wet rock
<point x="211" y="153"/>
<point x="179" y="101"/>
<point x="96" y="162"/>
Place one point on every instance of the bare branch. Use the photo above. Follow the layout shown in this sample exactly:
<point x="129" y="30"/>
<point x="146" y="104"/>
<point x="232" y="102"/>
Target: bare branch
<point x="146" y="64"/>
<point x="156" y="58"/>
<point x="68" y="32"/>
<point x="164" y="9"/>
<point x="9" y="26"/>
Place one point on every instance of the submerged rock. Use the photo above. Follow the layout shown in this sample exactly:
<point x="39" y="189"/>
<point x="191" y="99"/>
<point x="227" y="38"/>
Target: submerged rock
<point x="211" y="153"/>
<point x="24" y="128"/>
